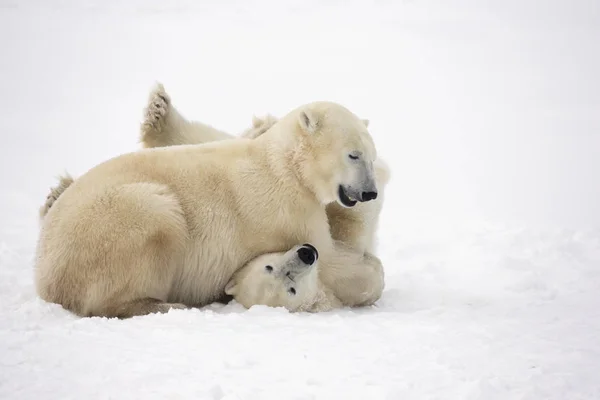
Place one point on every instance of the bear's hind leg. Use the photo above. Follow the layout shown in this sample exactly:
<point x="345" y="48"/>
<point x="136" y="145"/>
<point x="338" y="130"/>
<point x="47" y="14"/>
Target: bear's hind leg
<point x="164" y="126"/>
<point x="126" y="264"/>
<point x="259" y="126"/>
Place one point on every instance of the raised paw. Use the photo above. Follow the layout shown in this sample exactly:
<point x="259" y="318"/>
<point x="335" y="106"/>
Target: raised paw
<point x="259" y="126"/>
<point x="156" y="111"/>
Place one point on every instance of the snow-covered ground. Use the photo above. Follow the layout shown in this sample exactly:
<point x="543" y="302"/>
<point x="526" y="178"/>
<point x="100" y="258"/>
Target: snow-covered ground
<point x="489" y="114"/>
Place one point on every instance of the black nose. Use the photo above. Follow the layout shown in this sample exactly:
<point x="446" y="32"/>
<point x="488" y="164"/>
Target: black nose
<point x="310" y="246"/>
<point x="308" y="254"/>
<point x="366" y="196"/>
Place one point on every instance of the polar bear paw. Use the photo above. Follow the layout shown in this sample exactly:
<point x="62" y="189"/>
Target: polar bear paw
<point x="156" y="113"/>
<point x="259" y="126"/>
<point x="63" y="184"/>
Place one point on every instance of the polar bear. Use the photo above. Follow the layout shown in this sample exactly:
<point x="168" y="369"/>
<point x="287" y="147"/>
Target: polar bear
<point x="291" y="280"/>
<point x="163" y="125"/>
<point x="167" y="228"/>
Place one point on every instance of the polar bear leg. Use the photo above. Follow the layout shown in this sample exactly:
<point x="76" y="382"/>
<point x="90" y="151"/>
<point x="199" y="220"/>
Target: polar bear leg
<point x="129" y="247"/>
<point x="356" y="278"/>
<point x="151" y="231"/>
<point x="164" y="126"/>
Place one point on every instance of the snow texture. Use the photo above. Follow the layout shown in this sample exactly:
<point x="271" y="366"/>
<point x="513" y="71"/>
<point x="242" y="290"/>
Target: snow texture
<point x="489" y="114"/>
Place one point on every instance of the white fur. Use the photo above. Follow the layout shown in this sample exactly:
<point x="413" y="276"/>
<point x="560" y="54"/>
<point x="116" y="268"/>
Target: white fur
<point x="164" y="228"/>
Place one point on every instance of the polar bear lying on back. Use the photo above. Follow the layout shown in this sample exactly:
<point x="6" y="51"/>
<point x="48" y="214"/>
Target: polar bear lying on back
<point x="167" y="228"/>
<point x="291" y="280"/>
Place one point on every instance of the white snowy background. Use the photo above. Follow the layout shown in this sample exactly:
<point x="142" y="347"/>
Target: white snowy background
<point x="488" y="112"/>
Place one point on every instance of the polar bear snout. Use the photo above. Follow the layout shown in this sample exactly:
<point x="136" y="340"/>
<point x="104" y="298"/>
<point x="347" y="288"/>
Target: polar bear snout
<point x="348" y="196"/>
<point x="368" y="186"/>
<point x="361" y="185"/>
<point x="308" y="254"/>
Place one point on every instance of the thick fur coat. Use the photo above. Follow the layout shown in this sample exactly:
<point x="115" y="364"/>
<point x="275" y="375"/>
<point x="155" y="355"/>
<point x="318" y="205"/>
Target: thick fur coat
<point x="168" y="227"/>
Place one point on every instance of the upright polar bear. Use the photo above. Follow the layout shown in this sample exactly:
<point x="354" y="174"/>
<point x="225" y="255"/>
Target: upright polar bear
<point x="164" y="125"/>
<point x="166" y="228"/>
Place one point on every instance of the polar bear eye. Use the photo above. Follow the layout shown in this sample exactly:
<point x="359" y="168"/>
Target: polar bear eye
<point x="353" y="156"/>
<point x="268" y="268"/>
<point x="292" y="291"/>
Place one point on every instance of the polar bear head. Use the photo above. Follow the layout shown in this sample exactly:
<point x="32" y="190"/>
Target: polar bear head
<point x="287" y="279"/>
<point x="330" y="151"/>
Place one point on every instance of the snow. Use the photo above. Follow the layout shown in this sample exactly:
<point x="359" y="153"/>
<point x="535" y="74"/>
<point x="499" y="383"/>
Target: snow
<point x="488" y="113"/>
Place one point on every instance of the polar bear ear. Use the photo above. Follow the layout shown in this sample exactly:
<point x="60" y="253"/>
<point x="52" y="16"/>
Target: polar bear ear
<point x="366" y="122"/>
<point x="231" y="288"/>
<point x="308" y="121"/>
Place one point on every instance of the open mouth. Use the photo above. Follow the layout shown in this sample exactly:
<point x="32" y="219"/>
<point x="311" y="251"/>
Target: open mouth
<point x="344" y="198"/>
